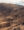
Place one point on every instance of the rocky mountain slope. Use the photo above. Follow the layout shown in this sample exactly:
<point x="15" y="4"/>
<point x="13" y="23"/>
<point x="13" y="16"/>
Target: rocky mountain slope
<point x="11" y="17"/>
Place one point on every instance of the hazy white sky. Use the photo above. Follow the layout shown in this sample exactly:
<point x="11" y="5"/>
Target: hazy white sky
<point x="13" y="1"/>
<point x="9" y="1"/>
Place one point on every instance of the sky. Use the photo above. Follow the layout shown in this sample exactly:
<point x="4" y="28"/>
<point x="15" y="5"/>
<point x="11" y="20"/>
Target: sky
<point x="9" y="1"/>
<point x="19" y="2"/>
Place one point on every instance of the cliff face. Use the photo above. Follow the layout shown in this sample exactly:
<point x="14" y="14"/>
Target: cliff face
<point x="11" y="17"/>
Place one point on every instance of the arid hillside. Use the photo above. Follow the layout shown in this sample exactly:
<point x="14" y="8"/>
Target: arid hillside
<point x="11" y="17"/>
